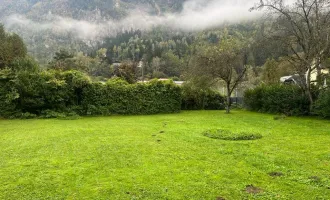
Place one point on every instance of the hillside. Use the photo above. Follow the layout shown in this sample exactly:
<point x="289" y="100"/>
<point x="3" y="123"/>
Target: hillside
<point x="83" y="9"/>
<point x="49" y="25"/>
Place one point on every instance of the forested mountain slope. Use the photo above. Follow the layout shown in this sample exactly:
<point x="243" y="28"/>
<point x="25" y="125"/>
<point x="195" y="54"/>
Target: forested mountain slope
<point x="114" y="9"/>
<point x="49" y="25"/>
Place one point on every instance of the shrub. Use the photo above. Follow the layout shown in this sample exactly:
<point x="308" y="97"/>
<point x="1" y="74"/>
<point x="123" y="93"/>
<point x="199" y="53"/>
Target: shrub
<point x="48" y="90"/>
<point x="253" y="99"/>
<point x="26" y="115"/>
<point x="8" y="93"/>
<point x="322" y="104"/>
<point x="199" y="99"/>
<point x="280" y="99"/>
<point x="55" y="94"/>
<point x="228" y="135"/>
<point x="48" y="114"/>
<point x="119" y="97"/>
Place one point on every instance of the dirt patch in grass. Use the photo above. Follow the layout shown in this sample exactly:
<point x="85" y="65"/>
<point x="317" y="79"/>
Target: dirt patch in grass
<point x="228" y="135"/>
<point x="275" y="174"/>
<point x="253" y="190"/>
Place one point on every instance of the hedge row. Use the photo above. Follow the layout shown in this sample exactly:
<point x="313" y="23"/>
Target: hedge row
<point x="322" y="104"/>
<point x="118" y="97"/>
<point x="284" y="99"/>
<point x="47" y="93"/>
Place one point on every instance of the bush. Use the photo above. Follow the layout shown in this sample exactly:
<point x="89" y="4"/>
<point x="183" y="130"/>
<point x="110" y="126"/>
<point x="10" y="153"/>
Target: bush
<point x="48" y="114"/>
<point x="322" y="105"/>
<point x="253" y="99"/>
<point x="54" y="94"/>
<point x="280" y="99"/>
<point x="8" y="93"/>
<point x="198" y="99"/>
<point x="119" y="97"/>
<point x="26" y="115"/>
<point x="49" y="90"/>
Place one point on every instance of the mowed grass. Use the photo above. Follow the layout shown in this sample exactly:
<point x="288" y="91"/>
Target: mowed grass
<point x="165" y="157"/>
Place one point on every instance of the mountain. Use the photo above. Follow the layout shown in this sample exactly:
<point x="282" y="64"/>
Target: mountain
<point x="82" y="9"/>
<point x="50" y="25"/>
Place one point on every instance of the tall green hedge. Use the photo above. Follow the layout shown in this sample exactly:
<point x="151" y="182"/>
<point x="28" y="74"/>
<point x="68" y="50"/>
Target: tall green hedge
<point x="36" y="92"/>
<point x="8" y="93"/>
<point x="119" y="97"/>
<point x="285" y="99"/>
<point x="322" y="104"/>
<point x="49" y="92"/>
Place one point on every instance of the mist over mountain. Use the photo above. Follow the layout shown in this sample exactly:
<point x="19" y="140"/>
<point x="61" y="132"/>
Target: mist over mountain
<point x="51" y="24"/>
<point x="85" y="9"/>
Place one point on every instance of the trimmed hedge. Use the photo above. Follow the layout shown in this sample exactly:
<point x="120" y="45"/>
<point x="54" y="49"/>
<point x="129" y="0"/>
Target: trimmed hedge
<point x="28" y="94"/>
<point x="193" y="99"/>
<point x="322" y="105"/>
<point x="53" y="93"/>
<point x="284" y="99"/>
<point x="119" y="97"/>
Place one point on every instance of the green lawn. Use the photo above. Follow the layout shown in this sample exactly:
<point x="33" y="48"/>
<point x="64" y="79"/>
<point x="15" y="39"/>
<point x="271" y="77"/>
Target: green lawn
<point x="126" y="157"/>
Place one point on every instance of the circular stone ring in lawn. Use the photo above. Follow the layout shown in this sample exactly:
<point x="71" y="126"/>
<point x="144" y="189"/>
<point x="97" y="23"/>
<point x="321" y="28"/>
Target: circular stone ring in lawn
<point x="228" y="135"/>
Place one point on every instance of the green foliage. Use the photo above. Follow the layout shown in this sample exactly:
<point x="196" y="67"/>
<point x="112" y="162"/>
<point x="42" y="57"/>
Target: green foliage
<point x="25" y="115"/>
<point x="269" y="72"/>
<point x="126" y="71"/>
<point x="201" y="99"/>
<point x="223" y="63"/>
<point x="228" y="135"/>
<point x="48" y="114"/>
<point x="118" y="97"/>
<point x="34" y="92"/>
<point x="273" y="70"/>
<point x="8" y="93"/>
<point x="286" y="99"/>
<point x="253" y="98"/>
<point x="55" y="94"/>
<point x="322" y="104"/>
<point x="12" y="47"/>
<point x="24" y="64"/>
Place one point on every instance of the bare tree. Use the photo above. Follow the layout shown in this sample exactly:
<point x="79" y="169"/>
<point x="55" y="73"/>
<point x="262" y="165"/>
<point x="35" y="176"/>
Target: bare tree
<point x="303" y="27"/>
<point x="224" y="62"/>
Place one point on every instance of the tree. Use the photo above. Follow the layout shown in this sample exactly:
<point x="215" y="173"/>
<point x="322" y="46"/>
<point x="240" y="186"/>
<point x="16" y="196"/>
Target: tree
<point x="273" y="70"/>
<point x="172" y="64"/>
<point x="62" y="60"/>
<point x="224" y="62"/>
<point x="12" y="47"/>
<point x="127" y="71"/>
<point x="304" y="29"/>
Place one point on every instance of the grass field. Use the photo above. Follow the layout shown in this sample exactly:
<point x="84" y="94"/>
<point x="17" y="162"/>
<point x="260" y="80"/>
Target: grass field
<point x="165" y="157"/>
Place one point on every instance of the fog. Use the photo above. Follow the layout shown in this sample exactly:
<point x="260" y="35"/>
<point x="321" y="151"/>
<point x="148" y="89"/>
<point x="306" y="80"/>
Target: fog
<point x="196" y="15"/>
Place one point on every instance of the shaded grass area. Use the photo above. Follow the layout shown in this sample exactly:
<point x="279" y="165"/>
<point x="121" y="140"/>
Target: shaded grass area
<point x="165" y="157"/>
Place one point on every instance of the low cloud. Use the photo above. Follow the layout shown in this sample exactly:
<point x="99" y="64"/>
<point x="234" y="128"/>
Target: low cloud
<point x="196" y="15"/>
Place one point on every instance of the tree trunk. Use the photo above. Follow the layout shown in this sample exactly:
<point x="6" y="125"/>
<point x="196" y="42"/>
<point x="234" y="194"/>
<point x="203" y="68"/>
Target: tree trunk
<point x="228" y="99"/>
<point x="311" y="100"/>
<point x="309" y="90"/>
